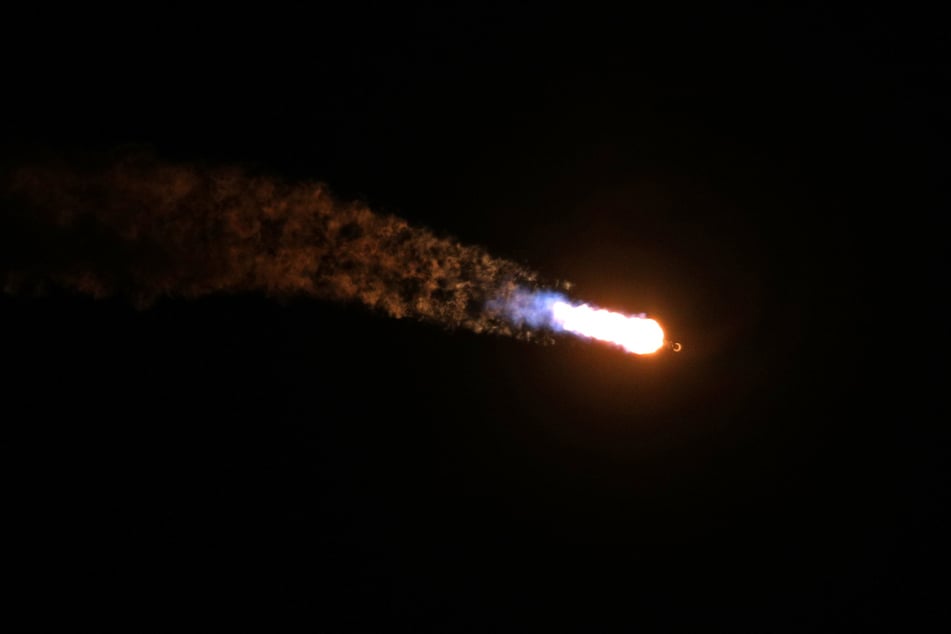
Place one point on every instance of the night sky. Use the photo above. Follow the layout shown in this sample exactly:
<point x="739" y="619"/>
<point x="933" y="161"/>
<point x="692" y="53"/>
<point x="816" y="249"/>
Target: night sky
<point x="765" y="183"/>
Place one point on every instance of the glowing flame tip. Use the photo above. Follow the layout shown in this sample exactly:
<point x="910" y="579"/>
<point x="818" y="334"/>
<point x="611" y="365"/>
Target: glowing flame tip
<point x="635" y="333"/>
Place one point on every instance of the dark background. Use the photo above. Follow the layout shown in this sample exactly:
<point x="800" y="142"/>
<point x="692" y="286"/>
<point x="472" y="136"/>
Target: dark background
<point x="765" y="182"/>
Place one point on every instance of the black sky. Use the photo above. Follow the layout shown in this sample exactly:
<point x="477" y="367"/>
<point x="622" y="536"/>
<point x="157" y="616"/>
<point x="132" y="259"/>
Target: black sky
<point x="764" y="182"/>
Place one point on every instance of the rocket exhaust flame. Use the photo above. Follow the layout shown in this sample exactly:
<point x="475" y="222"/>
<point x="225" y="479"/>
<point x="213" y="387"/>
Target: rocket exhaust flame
<point x="544" y="309"/>
<point x="633" y="333"/>
<point x="144" y="229"/>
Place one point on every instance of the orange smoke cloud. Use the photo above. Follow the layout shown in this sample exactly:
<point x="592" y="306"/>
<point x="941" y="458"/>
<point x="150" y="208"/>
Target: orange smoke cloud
<point x="146" y="229"/>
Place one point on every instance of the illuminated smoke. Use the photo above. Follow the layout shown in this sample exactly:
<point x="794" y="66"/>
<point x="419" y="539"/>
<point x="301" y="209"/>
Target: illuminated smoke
<point x="144" y="229"/>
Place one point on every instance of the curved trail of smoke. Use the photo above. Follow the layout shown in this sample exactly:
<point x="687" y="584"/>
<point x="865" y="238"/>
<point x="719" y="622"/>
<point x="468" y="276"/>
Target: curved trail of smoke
<point x="145" y="229"/>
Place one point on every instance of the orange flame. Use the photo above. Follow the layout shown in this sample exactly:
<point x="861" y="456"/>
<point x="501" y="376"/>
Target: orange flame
<point x="639" y="335"/>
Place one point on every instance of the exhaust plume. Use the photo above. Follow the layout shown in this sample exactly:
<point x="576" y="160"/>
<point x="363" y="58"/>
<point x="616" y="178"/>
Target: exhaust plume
<point x="145" y="229"/>
<point x="556" y="313"/>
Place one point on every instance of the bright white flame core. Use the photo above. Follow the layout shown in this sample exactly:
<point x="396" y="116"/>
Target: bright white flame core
<point x="639" y="335"/>
<point x="552" y="310"/>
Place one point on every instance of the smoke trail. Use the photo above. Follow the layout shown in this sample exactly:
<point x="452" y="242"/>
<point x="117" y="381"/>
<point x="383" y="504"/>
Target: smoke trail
<point x="146" y="229"/>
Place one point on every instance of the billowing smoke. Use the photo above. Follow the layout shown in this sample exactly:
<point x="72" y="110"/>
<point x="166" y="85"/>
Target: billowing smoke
<point x="144" y="229"/>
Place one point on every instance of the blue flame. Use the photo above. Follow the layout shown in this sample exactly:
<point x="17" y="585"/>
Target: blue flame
<point x="529" y="308"/>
